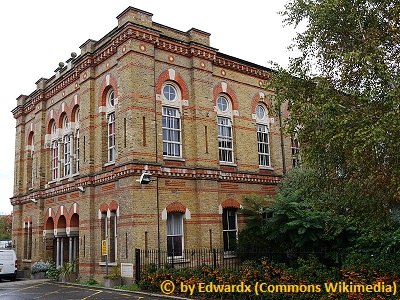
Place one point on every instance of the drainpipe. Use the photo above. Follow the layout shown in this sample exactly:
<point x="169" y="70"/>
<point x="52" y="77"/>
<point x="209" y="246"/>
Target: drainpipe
<point x="156" y="144"/>
<point x="282" y="143"/>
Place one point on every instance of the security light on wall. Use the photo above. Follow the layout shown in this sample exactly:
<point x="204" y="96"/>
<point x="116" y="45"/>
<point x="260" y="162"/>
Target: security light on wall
<point x="145" y="178"/>
<point x="81" y="188"/>
<point x="33" y="200"/>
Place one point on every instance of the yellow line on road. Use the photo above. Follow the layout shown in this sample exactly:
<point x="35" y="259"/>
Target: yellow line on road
<point x="26" y="288"/>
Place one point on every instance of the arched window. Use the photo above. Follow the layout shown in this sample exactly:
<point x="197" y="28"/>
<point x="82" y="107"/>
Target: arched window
<point x="264" y="159"/>
<point x="225" y="134"/>
<point x="67" y="147"/>
<point x="171" y="120"/>
<point x="54" y="153"/>
<point x="111" y="152"/>
<point x="76" y="141"/>
<point x="111" y="137"/>
<point x="31" y="162"/>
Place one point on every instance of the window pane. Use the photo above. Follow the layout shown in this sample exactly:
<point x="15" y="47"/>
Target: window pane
<point x="171" y="132"/>
<point x="174" y="234"/>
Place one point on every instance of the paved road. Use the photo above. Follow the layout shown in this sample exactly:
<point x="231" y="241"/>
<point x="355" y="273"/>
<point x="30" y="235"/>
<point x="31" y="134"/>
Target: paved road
<point x="48" y="290"/>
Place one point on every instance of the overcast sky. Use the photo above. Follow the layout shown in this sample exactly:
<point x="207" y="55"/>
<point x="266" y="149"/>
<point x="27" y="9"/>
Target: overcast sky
<point x="37" y="35"/>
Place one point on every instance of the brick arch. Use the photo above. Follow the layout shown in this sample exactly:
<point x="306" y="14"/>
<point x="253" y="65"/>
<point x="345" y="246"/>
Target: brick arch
<point x="74" y="209"/>
<point x="73" y="113"/>
<point x="108" y="83"/>
<point x="74" y="221"/>
<point x="62" y="211"/>
<point x="49" y="216"/>
<point x="176" y="207"/>
<point x="62" y="222"/>
<point x="113" y="206"/>
<point x="29" y="138"/>
<point x="28" y="219"/>
<point x="174" y="76"/>
<point x="50" y="119"/>
<point x="230" y="203"/>
<point x="104" y="208"/>
<point x="224" y="88"/>
<point x="75" y="102"/>
<point x="260" y="97"/>
<point x="61" y="118"/>
<point x="49" y="224"/>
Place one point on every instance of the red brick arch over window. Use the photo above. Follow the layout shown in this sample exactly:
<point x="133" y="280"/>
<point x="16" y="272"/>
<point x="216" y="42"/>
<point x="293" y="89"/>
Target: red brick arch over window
<point x="104" y="207"/>
<point x="230" y="203"/>
<point x="28" y="219"/>
<point x="260" y="97"/>
<point x="176" y="207"/>
<point x="61" y="211"/>
<point x="224" y="88"/>
<point x="30" y="138"/>
<point x="172" y="75"/>
<point x="108" y="83"/>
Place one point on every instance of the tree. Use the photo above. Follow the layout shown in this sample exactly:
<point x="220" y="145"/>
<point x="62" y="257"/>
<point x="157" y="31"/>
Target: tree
<point x="343" y="94"/>
<point x="5" y="227"/>
<point x="292" y="223"/>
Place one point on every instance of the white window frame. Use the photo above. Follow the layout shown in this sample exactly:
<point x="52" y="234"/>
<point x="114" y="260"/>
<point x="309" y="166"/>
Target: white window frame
<point x="55" y="172"/>
<point x="113" y="237"/>
<point x="295" y="149"/>
<point x="225" y="137"/>
<point x="111" y="153"/>
<point x="172" y="135"/>
<point x="32" y="161"/>
<point x="226" y="231"/>
<point x="175" y="217"/>
<point x="67" y="155"/>
<point x="77" y="151"/>
<point x="264" y="155"/>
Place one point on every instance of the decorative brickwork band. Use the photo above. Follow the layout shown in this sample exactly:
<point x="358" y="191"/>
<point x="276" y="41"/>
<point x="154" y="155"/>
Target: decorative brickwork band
<point x="230" y="203"/>
<point x="176" y="207"/>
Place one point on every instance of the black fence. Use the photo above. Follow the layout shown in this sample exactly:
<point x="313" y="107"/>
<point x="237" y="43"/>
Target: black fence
<point x="217" y="258"/>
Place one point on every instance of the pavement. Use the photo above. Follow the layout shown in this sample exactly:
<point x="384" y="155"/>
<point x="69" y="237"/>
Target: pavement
<point x="44" y="289"/>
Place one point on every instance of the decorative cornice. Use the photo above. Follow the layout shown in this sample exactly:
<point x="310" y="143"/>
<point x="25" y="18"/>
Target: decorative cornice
<point x="135" y="169"/>
<point x="241" y="67"/>
<point x="108" y="48"/>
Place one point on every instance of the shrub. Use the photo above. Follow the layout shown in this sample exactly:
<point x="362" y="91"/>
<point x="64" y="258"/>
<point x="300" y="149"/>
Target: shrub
<point x="40" y="266"/>
<point x="52" y="273"/>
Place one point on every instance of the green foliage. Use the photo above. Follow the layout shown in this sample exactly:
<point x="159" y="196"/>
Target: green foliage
<point x="40" y="266"/>
<point x="344" y="92"/>
<point x="116" y="273"/>
<point x="52" y="272"/>
<point x="91" y="281"/>
<point x="359" y="269"/>
<point x="68" y="268"/>
<point x="293" y="221"/>
<point x="5" y="227"/>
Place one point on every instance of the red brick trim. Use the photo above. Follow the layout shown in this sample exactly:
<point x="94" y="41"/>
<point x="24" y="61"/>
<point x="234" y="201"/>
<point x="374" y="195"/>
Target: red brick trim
<point x="230" y="203"/>
<point x="106" y="87"/>
<point x="256" y="99"/>
<point x="176" y="207"/>
<point x="218" y="89"/>
<point x="164" y="76"/>
<point x="104" y="208"/>
<point x="113" y="206"/>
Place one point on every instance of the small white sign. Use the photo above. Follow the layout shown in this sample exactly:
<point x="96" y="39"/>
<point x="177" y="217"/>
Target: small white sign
<point x="127" y="270"/>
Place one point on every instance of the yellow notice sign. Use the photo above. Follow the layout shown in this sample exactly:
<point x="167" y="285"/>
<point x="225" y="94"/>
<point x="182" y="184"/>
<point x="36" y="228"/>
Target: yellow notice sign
<point x="104" y="247"/>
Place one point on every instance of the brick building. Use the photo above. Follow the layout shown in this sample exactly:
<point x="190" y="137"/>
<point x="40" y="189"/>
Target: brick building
<point x="149" y="99"/>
